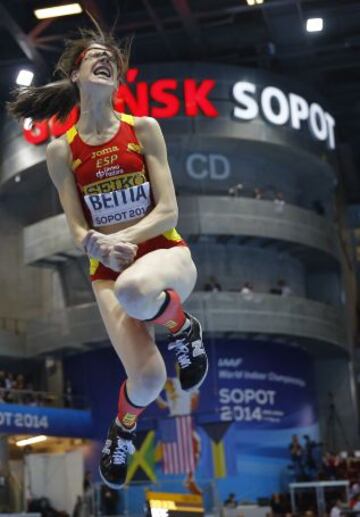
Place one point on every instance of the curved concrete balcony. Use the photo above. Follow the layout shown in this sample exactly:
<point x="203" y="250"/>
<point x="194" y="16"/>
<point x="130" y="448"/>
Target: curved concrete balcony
<point x="300" y="232"/>
<point x="12" y="344"/>
<point x="318" y="327"/>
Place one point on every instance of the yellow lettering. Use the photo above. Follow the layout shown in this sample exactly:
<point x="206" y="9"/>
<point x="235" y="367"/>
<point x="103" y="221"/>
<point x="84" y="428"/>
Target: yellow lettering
<point x="116" y="183"/>
<point x="107" y="160"/>
<point x="101" y="152"/>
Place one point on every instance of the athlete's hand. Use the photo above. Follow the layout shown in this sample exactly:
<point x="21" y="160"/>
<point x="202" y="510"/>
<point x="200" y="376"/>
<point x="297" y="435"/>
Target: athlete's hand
<point x="115" y="260"/>
<point x="108" y="248"/>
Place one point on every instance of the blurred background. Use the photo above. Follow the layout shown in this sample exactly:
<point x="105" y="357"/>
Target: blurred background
<point x="259" y="104"/>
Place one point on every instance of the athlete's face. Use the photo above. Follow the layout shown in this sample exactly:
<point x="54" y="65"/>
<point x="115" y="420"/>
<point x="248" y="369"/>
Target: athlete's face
<point x="97" y="65"/>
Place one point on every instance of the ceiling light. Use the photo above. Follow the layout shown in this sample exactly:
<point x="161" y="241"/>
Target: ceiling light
<point x="254" y="2"/>
<point x="314" y="24"/>
<point x="24" y="77"/>
<point x="30" y="441"/>
<point x="58" y="10"/>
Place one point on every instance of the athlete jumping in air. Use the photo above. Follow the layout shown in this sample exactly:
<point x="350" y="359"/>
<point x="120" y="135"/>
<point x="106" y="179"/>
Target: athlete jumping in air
<point x="115" y="186"/>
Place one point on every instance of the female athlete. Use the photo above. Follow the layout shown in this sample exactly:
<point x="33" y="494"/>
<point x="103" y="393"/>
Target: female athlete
<point x="114" y="183"/>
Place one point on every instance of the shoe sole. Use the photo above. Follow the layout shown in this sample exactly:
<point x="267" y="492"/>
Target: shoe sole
<point x="110" y="485"/>
<point x="207" y="364"/>
<point x="199" y="383"/>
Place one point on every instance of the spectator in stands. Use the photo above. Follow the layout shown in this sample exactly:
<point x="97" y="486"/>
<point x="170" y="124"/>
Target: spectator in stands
<point x="2" y="379"/>
<point x="356" y="506"/>
<point x="212" y="284"/>
<point x="279" y="202"/>
<point x="258" y="194"/>
<point x="19" y="382"/>
<point x="236" y="190"/>
<point x="296" y="455"/>
<point x="78" y="508"/>
<point x="336" y="509"/>
<point x="247" y="291"/>
<point x="278" y="505"/>
<point x="68" y="395"/>
<point x="354" y="490"/>
<point x="2" y="386"/>
<point x="109" y="500"/>
<point x="309" y="447"/>
<point x="330" y="464"/>
<point x="19" y="385"/>
<point x="9" y="385"/>
<point x="282" y="288"/>
<point x="230" y="502"/>
<point x="9" y="381"/>
<point x="285" y="288"/>
<point x="28" y="397"/>
<point x="88" y="499"/>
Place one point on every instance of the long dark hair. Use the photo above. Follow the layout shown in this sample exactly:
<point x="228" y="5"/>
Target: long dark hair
<point x="59" y="97"/>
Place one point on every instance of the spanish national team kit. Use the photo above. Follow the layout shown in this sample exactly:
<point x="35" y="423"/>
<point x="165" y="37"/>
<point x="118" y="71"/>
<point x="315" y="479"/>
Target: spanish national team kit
<point x="114" y="187"/>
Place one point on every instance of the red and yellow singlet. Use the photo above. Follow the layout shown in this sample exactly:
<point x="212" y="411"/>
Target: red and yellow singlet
<point x="114" y="186"/>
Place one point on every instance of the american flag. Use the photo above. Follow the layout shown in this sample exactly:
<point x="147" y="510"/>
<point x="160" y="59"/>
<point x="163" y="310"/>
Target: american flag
<point x="178" y="448"/>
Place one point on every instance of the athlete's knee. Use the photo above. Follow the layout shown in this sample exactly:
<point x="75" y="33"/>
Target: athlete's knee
<point x="186" y="266"/>
<point x="132" y="291"/>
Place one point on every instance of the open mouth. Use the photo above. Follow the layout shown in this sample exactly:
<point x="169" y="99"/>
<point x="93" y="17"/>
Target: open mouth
<point x="103" y="70"/>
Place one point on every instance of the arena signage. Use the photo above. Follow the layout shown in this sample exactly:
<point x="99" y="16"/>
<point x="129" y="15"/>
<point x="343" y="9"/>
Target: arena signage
<point x="170" y="97"/>
<point x="280" y="109"/>
<point x="18" y="419"/>
<point x="200" y="166"/>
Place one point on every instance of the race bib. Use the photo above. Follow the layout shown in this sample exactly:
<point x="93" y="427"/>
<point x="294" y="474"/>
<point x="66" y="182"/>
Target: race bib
<point x="119" y="206"/>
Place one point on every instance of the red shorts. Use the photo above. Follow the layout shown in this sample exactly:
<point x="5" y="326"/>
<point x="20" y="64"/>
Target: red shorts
<point x="167" y="240"/>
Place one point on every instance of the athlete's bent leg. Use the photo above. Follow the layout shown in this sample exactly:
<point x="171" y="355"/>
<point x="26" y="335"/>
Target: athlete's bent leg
<point x="146" y="373"/>
<point x="134" y="345"/>
<point x="140" y="289"/>
<point x="153" y="288"/>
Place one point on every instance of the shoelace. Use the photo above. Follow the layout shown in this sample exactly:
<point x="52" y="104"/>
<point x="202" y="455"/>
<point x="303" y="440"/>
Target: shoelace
<point x="182" y="351"/>
<point x="123" y="448"/>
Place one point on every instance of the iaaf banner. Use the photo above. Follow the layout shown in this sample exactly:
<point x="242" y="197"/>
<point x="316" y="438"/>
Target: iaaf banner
<point x="18" y="419"/>
<point x="192" y="97"/>
<point x="269" y="386"/>
<point x="262" y="385"/>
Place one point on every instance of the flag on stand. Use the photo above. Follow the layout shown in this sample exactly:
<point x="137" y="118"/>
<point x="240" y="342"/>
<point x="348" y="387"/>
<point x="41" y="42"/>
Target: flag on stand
<point x="176" y="435"/>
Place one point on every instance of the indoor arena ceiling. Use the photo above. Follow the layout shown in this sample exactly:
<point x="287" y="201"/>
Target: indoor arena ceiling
<point x="271" y="35"/>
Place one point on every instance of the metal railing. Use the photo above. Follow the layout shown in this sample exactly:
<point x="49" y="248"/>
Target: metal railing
<point x="41" y="398"/>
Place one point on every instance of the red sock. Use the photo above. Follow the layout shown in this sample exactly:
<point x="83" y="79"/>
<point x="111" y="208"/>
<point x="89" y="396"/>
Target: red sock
<point x="171" y="314"/>
<point x="127" y="411"/>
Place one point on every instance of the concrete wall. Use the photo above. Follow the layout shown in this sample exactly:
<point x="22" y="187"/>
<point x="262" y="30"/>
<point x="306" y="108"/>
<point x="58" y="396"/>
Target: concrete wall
<point x="26" y="291"/>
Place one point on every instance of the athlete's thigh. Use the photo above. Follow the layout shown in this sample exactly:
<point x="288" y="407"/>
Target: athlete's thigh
<point x="132" y="339"/>
<point x="163" y="269"/>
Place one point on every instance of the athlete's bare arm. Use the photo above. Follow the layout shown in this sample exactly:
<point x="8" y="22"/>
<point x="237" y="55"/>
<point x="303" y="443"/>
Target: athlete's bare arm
<point x="58" y="158"/>
<point x="58" y="161"/>
<point x="164" y="216"/>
